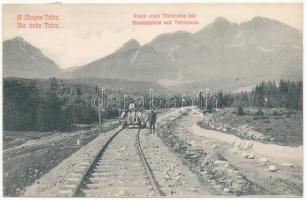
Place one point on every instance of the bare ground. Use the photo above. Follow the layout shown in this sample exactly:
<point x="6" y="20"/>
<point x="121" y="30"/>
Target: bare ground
<point x="196" y="165"/>
<point x="174" y="177"/>
<point x="32" y="155"/>
<point x="255" y="178"/>
<point x="268" y="125"/>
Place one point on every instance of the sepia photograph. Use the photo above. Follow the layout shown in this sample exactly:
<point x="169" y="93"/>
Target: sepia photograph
<point x="152" y="100"/>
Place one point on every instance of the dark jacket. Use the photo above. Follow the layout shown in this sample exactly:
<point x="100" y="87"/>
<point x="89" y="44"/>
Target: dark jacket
<point x="152" y="117"/>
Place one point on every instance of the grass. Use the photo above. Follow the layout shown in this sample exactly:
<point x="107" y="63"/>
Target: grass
<point x="282" y="126"/>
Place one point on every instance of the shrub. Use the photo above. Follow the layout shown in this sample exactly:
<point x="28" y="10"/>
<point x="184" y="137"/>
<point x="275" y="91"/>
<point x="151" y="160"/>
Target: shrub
<point x="259" y="113"/>
<point x="240" y="111"/>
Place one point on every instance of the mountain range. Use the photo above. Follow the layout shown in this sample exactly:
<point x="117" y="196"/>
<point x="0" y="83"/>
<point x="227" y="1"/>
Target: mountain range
<point x="21" y="59"/>
<point x="221" y="53"/>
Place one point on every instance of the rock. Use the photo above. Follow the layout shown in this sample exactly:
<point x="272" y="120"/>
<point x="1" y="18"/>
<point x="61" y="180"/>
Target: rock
<point x="235" y="149"/>
<point x="244" y="154"/>
<point x="176" y="146"/>
<point x="122" y="193"/>
<point x="246" y="145"/>
<point x="204" y="172"/>
<point x="263" y="159"/>
<point x="250" y="145"/>
<point x="217" y="187"/>
<point x="236" y="186"/>
<point x="239" y="180"/>
<point x="251" y="155"/>
<point x="235" y="143"/>
<point x="287" y="164"/>
<point x="222" y="162"/>
<point x="226" y="189"/>
<point x="240" y="144"/>
<point x="230" y="171"/>
<point x="166" y="175"/>
<point x="272" y="168"/>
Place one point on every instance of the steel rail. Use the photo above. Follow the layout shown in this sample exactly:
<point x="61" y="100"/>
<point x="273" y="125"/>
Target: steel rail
<point x="89" y="171"/>
<point x="149" y="171"/>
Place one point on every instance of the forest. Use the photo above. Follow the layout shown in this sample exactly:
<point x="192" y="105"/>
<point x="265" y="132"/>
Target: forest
<point x="53" y="105"/>
<point x="31" y="105"/>
<point x="269" y="94"/>
<point x="57" y="105"/>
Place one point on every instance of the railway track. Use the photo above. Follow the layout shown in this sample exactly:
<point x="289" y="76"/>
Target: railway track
<point x="119" y="170"/>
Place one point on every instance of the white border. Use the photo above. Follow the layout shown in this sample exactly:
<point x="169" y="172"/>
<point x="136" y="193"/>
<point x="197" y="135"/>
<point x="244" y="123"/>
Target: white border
<point x="152" y="1"/>
<point x="147" y="1"/>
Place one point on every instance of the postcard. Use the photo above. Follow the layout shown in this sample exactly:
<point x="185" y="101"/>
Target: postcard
<point x="153" y="100"/>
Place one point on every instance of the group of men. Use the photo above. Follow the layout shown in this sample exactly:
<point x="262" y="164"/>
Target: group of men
<point x="136" y="116"/>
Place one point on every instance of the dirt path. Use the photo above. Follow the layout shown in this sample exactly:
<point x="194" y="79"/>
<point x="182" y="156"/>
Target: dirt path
<point x="252" y="163"/>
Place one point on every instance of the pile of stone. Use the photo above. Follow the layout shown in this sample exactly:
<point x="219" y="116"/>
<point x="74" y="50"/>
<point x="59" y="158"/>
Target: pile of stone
<point x="224" y="178"/>
<point x="227" y="178"/>
<point x="211" y="122"/>
<point x="246" y="150"/>
<point x="247" y="132"/>
<point x="243" y="131"/>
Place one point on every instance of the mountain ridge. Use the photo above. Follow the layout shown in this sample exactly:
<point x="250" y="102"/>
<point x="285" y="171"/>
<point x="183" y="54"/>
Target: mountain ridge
<point x="21" y="59"/>
<point x="219" y="41"/>
<point x="260" y="48"/>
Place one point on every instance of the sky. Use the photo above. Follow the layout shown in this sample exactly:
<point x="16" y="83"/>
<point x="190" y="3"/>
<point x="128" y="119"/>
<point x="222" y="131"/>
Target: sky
<point x="91" y="31"/>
